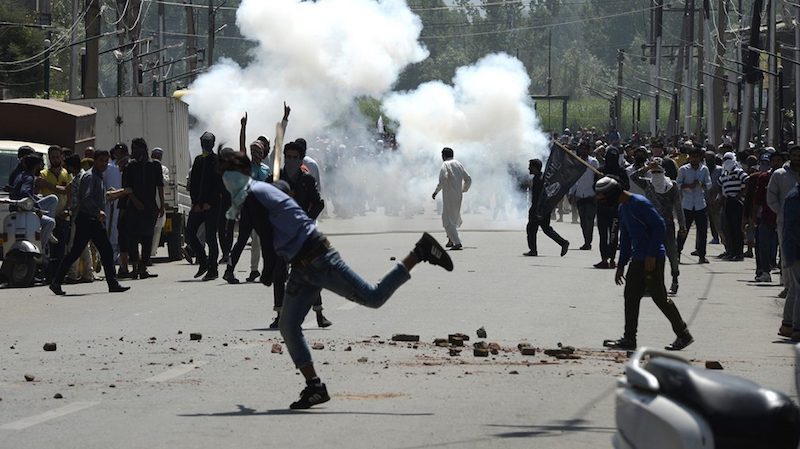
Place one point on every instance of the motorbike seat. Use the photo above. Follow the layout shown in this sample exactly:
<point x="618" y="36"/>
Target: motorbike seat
<point x="741" y="413"/>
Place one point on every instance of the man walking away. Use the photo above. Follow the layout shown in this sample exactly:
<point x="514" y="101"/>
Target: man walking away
<point x="206" y="193"/>
<point x="642" y="233"/>
<point x="534" y="222"/>
<point x="582" y="195"/>
<point x="454" y="181"/>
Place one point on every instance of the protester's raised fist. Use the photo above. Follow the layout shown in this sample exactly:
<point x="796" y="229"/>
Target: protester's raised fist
<point x="286" y="111"/>
<point x="244" y="119"/>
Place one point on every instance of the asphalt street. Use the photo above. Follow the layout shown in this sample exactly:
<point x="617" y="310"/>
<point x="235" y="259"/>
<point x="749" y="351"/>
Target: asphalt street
<point x="131" y="377"/>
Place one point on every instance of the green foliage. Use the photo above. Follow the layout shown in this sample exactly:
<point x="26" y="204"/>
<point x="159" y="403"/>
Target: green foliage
<point x="19" y="43"/>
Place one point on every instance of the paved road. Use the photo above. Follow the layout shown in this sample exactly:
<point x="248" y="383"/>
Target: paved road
<point x="131" y="378"/>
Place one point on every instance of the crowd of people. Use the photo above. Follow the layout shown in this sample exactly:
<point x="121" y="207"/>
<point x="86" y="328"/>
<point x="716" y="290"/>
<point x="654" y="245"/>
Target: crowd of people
<point x="107" y="209"/>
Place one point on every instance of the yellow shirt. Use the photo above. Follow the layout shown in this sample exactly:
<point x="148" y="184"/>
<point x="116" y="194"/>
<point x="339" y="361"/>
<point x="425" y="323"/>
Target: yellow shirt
<point x="63" y="179"/>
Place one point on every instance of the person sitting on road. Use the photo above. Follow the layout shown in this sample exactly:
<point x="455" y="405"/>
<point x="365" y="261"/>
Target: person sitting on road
<point x="24" y="187"/>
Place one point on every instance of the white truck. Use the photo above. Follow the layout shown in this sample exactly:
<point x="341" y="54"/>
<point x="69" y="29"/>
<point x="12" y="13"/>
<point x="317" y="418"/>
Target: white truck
<point x="162" y="122"/>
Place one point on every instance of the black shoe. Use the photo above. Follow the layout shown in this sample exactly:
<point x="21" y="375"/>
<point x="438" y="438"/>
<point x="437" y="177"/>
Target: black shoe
<point x="56" y="288"/>
<point x="126" y="274"/>
<point x="145" y="274"/>
<point x="702" y="260"/>
<point x="457" y="247"/>
<point x="187" y="255"/>
<point x="117" y="288"/>
<point x="602" y="264"/>
<point x="736" y="258"/>
<point x="564" y="249"/>
<point x="311" y="396"/>
<point x="230" y="277"/>
<point x="623" y="343"/>
<point x="749" y="254"/>
<point x="276" y="322"/>
<point x="673" y="289"/>
<point x="694" y="253"/>
<point x="253" y="276"/>
<point x="585" y="247"/>
<point x="449" y="244"/>
<point x="723" y="255"/>
<point x="429" y="250"/>
<point x="211" y="275"/>
<point x="201" y="270"/>
<point x="223" y="260"/>
<point x="681" y="342"/>
<point x="531" y="253"/>
<point x="322" y="321"/>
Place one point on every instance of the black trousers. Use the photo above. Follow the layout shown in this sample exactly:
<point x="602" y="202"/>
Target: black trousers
<point x="88" y="229"/>
<point x="587" y="209"/>
<point x="608" y="228"/>
<point x="61" y="232"/>
<point x="210" y="218"/>
<point x="733" y="226"/>
<point x="636" y="283"/>
<point x="701" y="218"/>
<point x="146" y="241"/>
<point x="246" y="228"/>
<point x="533" y="228"/>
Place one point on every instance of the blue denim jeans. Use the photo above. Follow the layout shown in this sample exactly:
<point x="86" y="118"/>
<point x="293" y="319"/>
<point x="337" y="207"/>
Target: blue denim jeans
<point x="328" y="272"/>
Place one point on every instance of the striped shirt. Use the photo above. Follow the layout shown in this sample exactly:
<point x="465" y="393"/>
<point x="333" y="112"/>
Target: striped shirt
<point x="732" y="182"/>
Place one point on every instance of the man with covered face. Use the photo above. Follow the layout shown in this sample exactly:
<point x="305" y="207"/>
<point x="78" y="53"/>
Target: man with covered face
<point x="732" y="182"/>
<point x="144" y="179"/>
<point x="303" y="189"/>
<point x="206" y="193"/>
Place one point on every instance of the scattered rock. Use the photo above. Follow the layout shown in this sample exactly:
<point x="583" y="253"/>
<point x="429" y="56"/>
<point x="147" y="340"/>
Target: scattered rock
<point x="349" y="348"/>
<point x="112" y="386"/>
<point x="561" y="352"/>
<point x="405" y="337"/>
<point x="12" y="347"/>
<point x="480" y="352"/>
<point x="513" y="372"/>
<point x="568" y="357"/>
<point x="277" y="348"/>
<point x="393" y="258"/>
<point x="49" y="347"/>
<point x="58" y="396"/>
<point x="524" y="344"/>
<point x="458" y="335"/>
<point x="480" y="345"/>
<point x="455" y="351"/>
<point x="153" y="339"/>
<point x="481" y="332"/>
<point x="456" y="341"/>
<point x="494" y="348"/>
<point x="195" y="336"/>
<point x="713" y="364"/>
<point x="180" y="332"/>
<point x="441" y="342"/>
<point x="362" y="360"/>
<point x="318" y="346"/>
<point x="29" y="378"/>
<point x="528" y="350"/>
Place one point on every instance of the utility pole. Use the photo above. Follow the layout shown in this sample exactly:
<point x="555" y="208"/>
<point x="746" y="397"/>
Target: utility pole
<point x="655" y="62"/>
<point x="620" y="80"/>
<point x="212" y="29"/>
<point x="549" y="77"/>
<point x="702" y="51"/>
<point x="797" y="76"/>
<point x="191" y="40"/>
<point x="160" y="74"/>
<point x="673" y="127"/>
<point x="73" y="60"/>
<point x="689" y="43"/>
<point x="47" y="68"/>
<point x="772" y="81"/>
<point x="751" y="76"/>
<point x="92" y="69"/>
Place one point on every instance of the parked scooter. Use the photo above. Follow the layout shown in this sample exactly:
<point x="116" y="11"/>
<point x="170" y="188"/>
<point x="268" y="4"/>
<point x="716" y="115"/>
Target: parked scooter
<point x="22" y="256"/>
<point x="663" y="402"/>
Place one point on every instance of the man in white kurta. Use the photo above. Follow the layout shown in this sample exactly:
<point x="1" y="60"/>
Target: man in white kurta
<point x="453" y="182"/>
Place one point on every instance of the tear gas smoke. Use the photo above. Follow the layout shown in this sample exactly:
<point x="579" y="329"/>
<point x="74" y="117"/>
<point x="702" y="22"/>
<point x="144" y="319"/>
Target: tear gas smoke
<point x="321" y="56"/>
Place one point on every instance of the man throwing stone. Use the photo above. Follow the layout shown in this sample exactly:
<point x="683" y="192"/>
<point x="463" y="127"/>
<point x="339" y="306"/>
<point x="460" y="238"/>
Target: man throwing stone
<point x="316" y="265"/>
<point x="641" y="242"/>
<point x="453" y="181"/>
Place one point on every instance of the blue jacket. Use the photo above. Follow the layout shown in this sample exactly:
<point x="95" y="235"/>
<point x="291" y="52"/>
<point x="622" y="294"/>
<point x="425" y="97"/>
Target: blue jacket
<point x="791" y="227"/>
<point x="641" y="231"/>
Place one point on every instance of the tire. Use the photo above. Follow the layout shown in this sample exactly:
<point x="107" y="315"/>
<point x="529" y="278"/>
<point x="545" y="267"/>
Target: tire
<point x="22" y="271"/>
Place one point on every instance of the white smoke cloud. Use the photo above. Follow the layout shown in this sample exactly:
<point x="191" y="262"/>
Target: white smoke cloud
<point x="321" y="56"/>
<point x="316" y="56"/>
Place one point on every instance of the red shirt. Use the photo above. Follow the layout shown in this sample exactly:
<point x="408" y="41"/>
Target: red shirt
<point x="768" y="217"/>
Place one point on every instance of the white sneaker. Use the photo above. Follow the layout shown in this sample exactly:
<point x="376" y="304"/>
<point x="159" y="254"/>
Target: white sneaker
<point x="764" y="277"/>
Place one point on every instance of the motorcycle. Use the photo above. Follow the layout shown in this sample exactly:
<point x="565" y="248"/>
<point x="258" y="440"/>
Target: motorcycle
<point x="22" y="256"/>
<point x="663" y="402"/>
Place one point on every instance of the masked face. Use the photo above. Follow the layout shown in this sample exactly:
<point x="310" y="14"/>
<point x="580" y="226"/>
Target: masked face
<point x="660" y="182"/>
<point x="238" y="184"/>
<point x="728" y="165"/>
<point x="292" y="163"/>
<point x="640" y="158"/>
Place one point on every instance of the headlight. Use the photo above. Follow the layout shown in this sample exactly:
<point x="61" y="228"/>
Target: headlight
<point x="26" y="205"/>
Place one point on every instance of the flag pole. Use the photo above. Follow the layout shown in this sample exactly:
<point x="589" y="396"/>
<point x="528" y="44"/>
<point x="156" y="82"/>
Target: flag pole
<point x="588" y="165"/>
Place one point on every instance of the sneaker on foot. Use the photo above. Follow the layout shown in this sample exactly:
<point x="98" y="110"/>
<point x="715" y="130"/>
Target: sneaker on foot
<point x="201" y="270"/>
<point x="694" y="253"/>
<point x="449" y="244"/>
<point x="748" y="254"/>
<point x="230" y="277"/>
<point x="310" y="396"/>
<point x="276" y="322"/>
<point x="714" y="242"/>
<point x="56" y="288"/>
<point x="623" y="343"/>
<point x="764" y="277"/>
<point x="322" y="321"/>
<point x="253" y="276"/>
<point x="429" y="250"/>
<point x="211" y="275"/>
<point x="117" y="288"/>
<point x="564" y="249"/>
<point x="602" y="264"/>
<point x="673" y="289"/>
<point x="144" y="274"/>
<point x="531" y="254"/>
<point x="457" y="247"/>
<point x="585" y="247"/>
<point x="680" y="342"/>
<point x="702" y="260"/>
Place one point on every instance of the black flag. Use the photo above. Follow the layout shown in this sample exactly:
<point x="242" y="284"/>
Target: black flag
<point x="562" y="171"/>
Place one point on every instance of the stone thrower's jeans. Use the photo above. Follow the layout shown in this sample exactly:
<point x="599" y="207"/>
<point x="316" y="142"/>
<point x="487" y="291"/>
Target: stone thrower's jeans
<point x="328" y="272"/>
